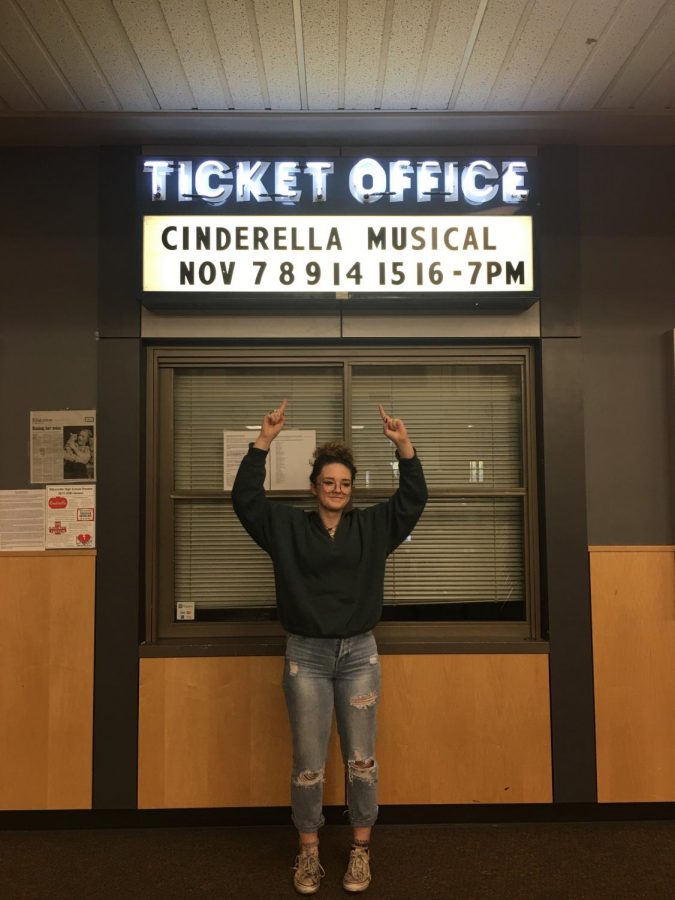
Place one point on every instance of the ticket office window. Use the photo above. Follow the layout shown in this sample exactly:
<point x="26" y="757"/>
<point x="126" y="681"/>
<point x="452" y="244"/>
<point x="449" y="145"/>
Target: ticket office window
<point x="469" y="569"/>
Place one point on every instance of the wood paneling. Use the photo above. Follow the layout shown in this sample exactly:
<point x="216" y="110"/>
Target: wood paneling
<point x="46" y="680"/>
<point x="633" y="600"/>
<point x="214" y="732"/>
<point x="465" y="729"/>
<point x="453" y="729"/>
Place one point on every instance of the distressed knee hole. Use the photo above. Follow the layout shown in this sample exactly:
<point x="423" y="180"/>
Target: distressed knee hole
<point x="292" y="668"/>
<point x="373" y="660"/>
<point x="308" y="778"/>
<point x="363" y="769"/>
<point x="364" y="701"/>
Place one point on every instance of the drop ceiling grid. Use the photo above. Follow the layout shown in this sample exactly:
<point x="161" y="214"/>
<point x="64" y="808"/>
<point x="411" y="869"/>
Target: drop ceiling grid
<point x="451" y="33"/>
<point x="276" y="28"/>
<point x="320" y="32"/>
<point x="533" y="46"/>
<point x="190" y="27"/>
<point x="618" y="41"/>
<point x="15" y="92"/>
<point x="365" y="33"/>
<point x="27" y="51"/>
<point x="570" y="52"/>
<point x="109" y="43"/>
<point x="650" y="56"/>
<point x="232" y="30"/>
<point x="492" y="44"/>
<point x="405" y="52"/>
<point x="149" y="35"/>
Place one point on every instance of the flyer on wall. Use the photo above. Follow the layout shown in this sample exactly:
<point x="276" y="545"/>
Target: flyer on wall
<point x="71" y="516"/>
<point x="62" y="445"/>
<point x="22" y="520"/>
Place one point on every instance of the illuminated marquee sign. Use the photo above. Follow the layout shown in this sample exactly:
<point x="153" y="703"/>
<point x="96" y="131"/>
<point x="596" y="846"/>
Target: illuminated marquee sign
<point x="343" y="227"/>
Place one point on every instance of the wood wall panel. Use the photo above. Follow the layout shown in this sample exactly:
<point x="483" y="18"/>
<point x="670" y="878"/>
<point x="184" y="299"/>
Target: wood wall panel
<point x="633" y="603"/>
<point x="453" y="729"/>
<point x="46" y="680"/>
<point x="465" y="729"/>
<point x="213" y="731"/>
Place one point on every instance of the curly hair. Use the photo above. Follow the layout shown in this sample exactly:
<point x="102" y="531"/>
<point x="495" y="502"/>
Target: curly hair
<point x="332" y="452"/>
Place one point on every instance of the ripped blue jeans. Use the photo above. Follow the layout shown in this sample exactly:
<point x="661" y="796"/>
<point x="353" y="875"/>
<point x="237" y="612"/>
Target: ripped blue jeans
<point x="321" y="674"/>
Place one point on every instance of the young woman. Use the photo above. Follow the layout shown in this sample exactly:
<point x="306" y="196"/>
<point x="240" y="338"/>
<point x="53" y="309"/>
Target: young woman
<point x="329" y="577"/>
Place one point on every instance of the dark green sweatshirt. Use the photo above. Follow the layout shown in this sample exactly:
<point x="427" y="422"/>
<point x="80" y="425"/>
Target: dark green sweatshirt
<point x="327" y="587"/>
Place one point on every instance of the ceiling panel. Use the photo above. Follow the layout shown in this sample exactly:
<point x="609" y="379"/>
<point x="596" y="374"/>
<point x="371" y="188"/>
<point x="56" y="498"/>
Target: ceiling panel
<point x="451" y="33"/>
<point x="15" y="92"/>
<point x="276" y="27"/>
<point x="67" y="47"/>
<point x="149" y="35"/>
<point x="240" y="54"/>
<point x="574" y="45"/>
<point x="29" y="55"/>
<point x="365" y="32"/>
<point x="615" y="46"/>
<point x="530" y="51"/>
<point x="100" y="26"/>
<point x="323" y="36"/>
<point x="192" y="34"/>
<point x="498" y="32"/>
<point x="406" y="52"/>
<point x="651" y="54"/>
<point x="660" y="92"/>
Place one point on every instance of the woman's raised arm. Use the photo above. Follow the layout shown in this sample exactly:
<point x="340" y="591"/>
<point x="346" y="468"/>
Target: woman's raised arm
<point x="397" y="433"/>
<point x="272" y="424"/>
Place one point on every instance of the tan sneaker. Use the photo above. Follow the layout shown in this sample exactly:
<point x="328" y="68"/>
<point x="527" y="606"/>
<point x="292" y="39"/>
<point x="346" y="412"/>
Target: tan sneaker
<point x="308" y="871"/>
<point x="357" y="877"/>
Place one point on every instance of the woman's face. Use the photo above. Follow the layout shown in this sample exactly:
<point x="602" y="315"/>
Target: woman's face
<point x="333" y="488"/>
<point x="83" y="438"/>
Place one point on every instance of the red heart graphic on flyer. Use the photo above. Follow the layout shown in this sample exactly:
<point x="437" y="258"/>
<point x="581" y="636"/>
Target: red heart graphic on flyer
<point x="83" y="538"/>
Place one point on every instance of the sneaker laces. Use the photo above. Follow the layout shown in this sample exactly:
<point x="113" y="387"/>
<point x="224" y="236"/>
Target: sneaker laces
<point x="359" y="864"/>
<point x="308" y="864"/>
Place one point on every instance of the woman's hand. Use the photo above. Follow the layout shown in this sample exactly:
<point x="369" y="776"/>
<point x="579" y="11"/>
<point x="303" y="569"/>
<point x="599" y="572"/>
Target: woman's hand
<point x="396" y="431"/>
<point x="272" y="424"/>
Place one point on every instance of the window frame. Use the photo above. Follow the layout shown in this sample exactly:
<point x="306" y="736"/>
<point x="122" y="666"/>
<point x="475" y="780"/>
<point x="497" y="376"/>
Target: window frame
<point x="264" y="637"/>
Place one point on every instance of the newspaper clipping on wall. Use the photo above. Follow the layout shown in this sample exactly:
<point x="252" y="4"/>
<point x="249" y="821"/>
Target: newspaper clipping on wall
<point x="62" y="446"/>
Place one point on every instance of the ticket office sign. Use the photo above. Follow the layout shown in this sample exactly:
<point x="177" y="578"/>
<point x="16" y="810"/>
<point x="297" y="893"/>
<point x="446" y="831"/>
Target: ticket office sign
<point x="341" y="228"/>
<point x="342" y="254"/>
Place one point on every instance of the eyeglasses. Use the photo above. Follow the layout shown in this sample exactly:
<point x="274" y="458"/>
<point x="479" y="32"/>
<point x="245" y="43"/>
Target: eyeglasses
<point x="330" y="484"/>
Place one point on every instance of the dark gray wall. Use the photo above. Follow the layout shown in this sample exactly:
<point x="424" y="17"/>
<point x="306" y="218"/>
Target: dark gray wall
<point x="48" y="270"/>
<point x="628" y="304"/>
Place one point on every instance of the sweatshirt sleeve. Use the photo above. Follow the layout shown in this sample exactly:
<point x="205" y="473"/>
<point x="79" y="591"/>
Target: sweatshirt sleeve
<point x="249" y="500"/>
<point x="405" y="506"/>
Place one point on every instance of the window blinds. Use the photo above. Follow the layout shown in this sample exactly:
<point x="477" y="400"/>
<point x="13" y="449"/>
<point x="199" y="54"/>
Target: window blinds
<point x="466" y="423"/>
<point x="208" y="402"/>
<point x="463" y="550"/>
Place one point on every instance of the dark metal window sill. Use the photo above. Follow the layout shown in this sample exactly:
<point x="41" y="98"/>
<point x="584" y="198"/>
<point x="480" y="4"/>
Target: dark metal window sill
<point x="275" y="647"/>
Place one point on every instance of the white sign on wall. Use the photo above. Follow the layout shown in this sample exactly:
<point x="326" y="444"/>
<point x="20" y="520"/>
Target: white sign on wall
<point x="71" y="516"/>
<point x="338" y="254"/>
